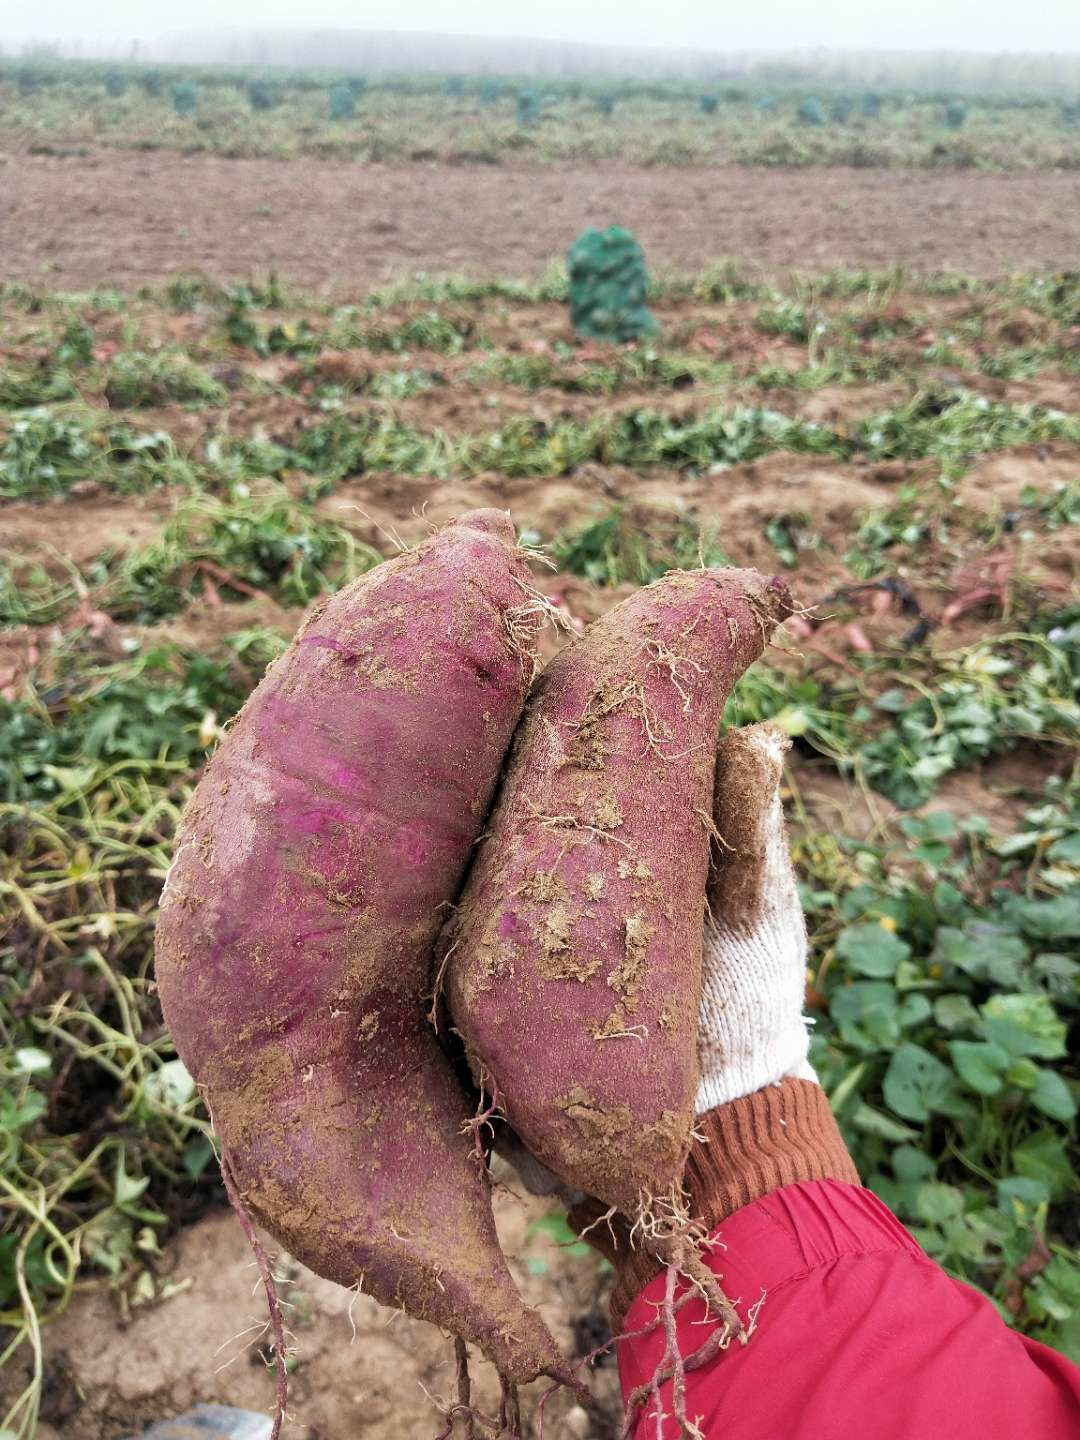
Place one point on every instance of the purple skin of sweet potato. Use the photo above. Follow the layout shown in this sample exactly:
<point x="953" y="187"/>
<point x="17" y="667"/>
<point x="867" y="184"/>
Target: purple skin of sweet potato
<point x="574" y="959"/>
<point x="313" y="870"/>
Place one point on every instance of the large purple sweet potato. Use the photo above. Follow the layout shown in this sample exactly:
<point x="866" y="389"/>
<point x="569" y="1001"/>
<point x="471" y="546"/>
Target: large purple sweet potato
<point x="574" y="960"/>
<point x="313" y="870"/>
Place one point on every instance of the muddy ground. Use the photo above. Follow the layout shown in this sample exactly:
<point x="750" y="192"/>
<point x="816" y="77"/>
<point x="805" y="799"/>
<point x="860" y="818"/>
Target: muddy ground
<point x="77" y="222"/>
<point x="360" y="1371"/>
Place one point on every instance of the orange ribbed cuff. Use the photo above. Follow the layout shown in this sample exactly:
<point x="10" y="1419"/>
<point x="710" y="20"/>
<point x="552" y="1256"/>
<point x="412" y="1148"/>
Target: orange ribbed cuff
<point x="748" y="1148"/>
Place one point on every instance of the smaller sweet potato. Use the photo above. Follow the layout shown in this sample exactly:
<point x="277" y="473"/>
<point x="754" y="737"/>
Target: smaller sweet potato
<point x="573" y="964"/>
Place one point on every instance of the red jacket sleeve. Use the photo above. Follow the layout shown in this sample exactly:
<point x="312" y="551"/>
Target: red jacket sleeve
<point x="860" y="1334"/>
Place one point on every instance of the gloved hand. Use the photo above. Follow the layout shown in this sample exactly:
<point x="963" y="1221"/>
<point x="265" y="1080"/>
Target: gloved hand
<point x="751" y="1030"/>
<point x="763" y="1120"/>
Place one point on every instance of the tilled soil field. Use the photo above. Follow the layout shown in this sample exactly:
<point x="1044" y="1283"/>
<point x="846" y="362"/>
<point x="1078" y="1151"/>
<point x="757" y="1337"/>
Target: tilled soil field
<point x="183" y="473"/>
<point x="132" y="219"/>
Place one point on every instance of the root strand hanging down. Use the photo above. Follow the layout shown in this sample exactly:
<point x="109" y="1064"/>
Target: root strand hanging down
<point x="665" y="1225"/>
<point x="464" y="1387"/>
<point x="277" y="1328"/>
<point x="673" y="1365"/>
<point x="509" y="1411"/>
<point x="464" y="1421"/>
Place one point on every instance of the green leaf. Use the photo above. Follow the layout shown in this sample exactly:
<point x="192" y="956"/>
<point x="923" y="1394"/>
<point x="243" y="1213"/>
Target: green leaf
<point x="917" y="1083"/>
<point x="1025" y="1025"/>
<point x="127" y="1188"/>
<point x="1043" y="1156"/>
<point x="888" y="1190"/>
<point x="197" y="1154"/>
<point x="980" y="1064"/>
<point x="1030" y="1191"/>
<point x="933" y="856"/>
<point x="910" y="977"/>
<point x="172" y="1085"/>
<point x="71" y="778"/>
<point x="912" y="1165"/>
<point x="1066" y="1337"/>
<point x="19" y="1114"/>
<point x="1023" y="1073"/>
<point x="1017" y="844"/>
<point x="934" y="832"/>
<point x="1066" y="851"/>
<point x="875" y="1122"/>
<point x="894" y="701"/>
<point x="930" y="768"/>
<point x="1053" y="1097"/>
<point x="792" y="720"/>
<point x="949" y="902"/>
<point x="955" y="1012"/>
<point x="32" y="1061"/>
<point x="871" y="949"/>
<point x="867" y="1014"/>
<point x="983" y="951"/>
<point x="108" y="1240"/>
<point x="914" y="1009"/>
<point x="936" y="825"/>
<point x="554" y="1225"/>
<point x="931" y="1240"/>
<point x="1056" y="1292"/>
<point x="847" y="1087"/>
<point x="1059" y="974"/>
<point x="1057" y="919"/>
<point x="936" y="1202"/>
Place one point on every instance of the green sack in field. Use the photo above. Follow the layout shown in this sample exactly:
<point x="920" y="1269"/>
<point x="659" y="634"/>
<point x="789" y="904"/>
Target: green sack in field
<point x="609" y="285"/>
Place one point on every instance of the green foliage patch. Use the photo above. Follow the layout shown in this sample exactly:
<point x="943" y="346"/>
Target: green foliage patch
<point x="943" y="1043"/>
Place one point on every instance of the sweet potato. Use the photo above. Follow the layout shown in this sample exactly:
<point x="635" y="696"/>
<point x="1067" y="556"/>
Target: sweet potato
<point x="573" y="963"/>
<point x="313" y="870"/>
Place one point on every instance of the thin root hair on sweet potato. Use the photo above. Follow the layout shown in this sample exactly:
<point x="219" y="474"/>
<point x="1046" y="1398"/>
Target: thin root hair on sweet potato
<point x="313" y="869"/>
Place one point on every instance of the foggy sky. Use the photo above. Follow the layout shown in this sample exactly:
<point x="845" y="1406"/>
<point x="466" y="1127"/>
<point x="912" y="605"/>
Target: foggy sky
<point x="715" y="25"/>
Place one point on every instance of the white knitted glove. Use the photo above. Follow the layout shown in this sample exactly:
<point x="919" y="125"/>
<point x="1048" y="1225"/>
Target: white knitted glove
<point x="751" y="1029"/>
